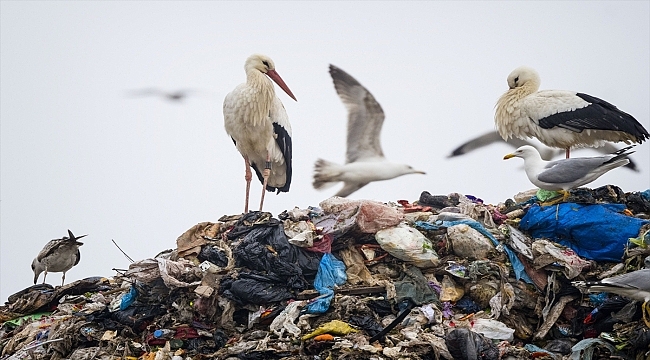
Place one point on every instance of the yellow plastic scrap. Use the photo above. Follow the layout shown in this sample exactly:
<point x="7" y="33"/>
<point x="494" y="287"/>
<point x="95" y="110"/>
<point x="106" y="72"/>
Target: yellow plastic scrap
<point x="334" y="327"/>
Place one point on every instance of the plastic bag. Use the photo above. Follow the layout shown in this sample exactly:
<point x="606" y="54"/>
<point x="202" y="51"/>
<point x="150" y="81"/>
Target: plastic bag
<point x="370" y="217"/>
<point x="331" y="273"/>
<point x="464" y="344"/>
<point x="408" y="244"/>
<point x="469" y="243"/>
<point x="493" y="329"/>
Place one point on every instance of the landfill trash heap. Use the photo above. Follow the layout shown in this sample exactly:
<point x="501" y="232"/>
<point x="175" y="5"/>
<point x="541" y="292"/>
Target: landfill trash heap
<point x="444" y="277"/>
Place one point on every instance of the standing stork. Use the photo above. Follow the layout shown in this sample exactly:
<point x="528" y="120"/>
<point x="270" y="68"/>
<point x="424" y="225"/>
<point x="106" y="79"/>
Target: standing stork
<point x="561" y="119"/>
<point x="259" y="126"/>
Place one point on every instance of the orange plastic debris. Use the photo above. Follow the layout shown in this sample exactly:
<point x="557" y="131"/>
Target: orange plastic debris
<point x="324" y="337"/>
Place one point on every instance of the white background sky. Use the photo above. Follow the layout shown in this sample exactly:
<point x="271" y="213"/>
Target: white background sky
<point x="77" y="153"/>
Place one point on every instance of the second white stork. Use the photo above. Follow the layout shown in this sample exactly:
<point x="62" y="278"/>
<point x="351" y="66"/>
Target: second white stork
<point x="259" y="126"/>
<point x="561" y="119"/>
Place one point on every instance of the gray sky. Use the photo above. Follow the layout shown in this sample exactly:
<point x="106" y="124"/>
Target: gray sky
<point x="77" y="153"/>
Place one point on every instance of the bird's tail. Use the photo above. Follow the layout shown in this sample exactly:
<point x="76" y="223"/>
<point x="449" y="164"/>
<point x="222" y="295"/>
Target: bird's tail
<point x="325" y="174"/>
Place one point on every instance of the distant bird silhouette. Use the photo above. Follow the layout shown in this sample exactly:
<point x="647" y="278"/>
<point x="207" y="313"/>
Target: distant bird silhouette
<point x="173" y="96"/>
<point x="58" y="255"/>
<point x="365" y="161"/>
<point x="561" y="119"/>
<point x="545" y="152"/>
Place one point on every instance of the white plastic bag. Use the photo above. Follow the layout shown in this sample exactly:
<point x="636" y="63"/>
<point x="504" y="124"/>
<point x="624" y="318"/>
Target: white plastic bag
<point x="408" y="244"/>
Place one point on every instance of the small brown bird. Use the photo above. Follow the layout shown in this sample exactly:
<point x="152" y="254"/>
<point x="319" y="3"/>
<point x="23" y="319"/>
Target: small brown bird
<point x="58" y="255"/>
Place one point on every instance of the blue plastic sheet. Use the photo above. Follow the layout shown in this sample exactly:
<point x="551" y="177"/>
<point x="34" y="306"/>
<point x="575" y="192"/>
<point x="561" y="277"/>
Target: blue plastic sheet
<point x="594" y="231"/>
<point x="331" y="273"/>
<point x="517" y="266"/>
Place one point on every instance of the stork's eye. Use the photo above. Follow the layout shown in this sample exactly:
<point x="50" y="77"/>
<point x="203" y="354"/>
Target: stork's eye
<point x="266" y="63"/>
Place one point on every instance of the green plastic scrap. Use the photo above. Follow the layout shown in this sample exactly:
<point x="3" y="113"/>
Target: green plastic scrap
<point x="546" y="195"/>
<point x="334" y="327"/>
<point x="642" y="241"/>
<point x="31" y="317"/>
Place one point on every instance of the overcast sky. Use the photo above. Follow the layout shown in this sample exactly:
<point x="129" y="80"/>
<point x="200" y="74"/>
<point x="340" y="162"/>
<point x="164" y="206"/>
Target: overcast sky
<point x="78" y="153"/>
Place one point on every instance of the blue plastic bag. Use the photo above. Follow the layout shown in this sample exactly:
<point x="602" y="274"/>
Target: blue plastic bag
<point x="594" y="231"/>
<point x="331" y="273"/>
<point x="128" y="298"/>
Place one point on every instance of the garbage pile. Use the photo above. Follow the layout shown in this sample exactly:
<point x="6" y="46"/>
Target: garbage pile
<point x="444" y="277"/>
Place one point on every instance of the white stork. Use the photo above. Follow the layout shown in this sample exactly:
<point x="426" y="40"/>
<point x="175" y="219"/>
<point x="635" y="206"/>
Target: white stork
<point x="566" y="174"/>
<point x="561" y="119"/>
<point x="365" y="161"/>
<point x="259" y="126"/>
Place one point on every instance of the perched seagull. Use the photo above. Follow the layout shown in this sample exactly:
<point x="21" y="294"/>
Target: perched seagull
<point x="566" y="174"/>
<point x="545" y="152"/>
<point x="634" y="285"/>
<point x="175" y="96"/>
<point x="561" y="119"/>
<point x="365" y="161"/>
<point x="58" y="255"/>
<point x="259" y="126"/>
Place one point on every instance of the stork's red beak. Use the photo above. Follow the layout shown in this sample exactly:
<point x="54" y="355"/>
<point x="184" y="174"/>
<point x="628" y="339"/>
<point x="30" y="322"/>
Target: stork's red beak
<point x="278" y="80"/>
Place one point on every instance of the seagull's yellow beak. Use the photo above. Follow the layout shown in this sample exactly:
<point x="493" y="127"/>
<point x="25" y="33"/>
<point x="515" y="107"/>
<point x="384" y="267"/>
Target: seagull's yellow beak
<point x="509" y="156"/>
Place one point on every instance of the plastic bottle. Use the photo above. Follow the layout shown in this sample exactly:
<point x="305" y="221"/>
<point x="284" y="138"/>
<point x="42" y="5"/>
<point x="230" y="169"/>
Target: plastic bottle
<point x="163" y="333"/>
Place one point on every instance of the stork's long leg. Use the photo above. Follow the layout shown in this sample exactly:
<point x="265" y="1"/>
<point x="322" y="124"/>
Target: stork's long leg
<point x="265" y="174"/>
<point x="248" y="178"/>
<point x="567" y="152"/>
<point x="63" y="279"/>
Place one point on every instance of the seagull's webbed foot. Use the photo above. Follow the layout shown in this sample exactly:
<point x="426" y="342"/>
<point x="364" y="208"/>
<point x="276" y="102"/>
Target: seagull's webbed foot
<point x="558" y="199"/>
<point x="645" y="311"/>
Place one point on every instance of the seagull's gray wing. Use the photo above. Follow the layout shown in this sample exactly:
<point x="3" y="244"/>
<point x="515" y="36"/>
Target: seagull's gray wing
<point x="639" y="280"/>
<point x="494" y="137"/>
<point x="49" y="248"/>
<point x="365" y="117"/>
<point x="570" y="170"/>
<point x="348" y="188"/>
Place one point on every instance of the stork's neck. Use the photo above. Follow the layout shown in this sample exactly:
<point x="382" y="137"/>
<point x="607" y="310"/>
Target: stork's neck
<point x="261" y="96"/>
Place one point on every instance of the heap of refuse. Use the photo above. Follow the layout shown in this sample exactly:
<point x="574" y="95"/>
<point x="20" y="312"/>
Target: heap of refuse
<point x="444" y="277"/>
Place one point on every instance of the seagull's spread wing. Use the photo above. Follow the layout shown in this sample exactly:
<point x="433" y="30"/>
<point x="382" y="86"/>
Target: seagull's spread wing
<point x="639" y="279"/>
<point x="348" y="188"/>
<point x="365" y="117"/>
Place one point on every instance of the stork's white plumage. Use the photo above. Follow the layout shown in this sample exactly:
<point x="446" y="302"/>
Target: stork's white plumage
<point x="561" y="119"/>
<point x="259" y="126"/>
<point x="566" y="174"/>
<point x="365" y="161"/>
<point x="58" y="255"/>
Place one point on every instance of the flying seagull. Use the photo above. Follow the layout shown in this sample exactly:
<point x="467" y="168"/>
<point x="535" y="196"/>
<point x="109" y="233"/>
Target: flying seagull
<point x="566" y="174"/>
<point x="365" y="161"/>
<point x="173" y="96"/>
<point x="259" y="126"/>
<point x="634" y="285"/>
<point x="58" y="255"/>
<point x="545" y="152"/>
<point x="561" y="119"/>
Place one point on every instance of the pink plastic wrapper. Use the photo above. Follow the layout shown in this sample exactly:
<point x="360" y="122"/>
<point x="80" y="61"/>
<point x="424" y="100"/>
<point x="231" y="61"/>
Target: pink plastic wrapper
<point x="371" y="216"/>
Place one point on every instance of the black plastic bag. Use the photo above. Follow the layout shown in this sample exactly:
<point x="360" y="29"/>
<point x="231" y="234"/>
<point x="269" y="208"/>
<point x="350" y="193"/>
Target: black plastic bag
<point x="464" y="344"/>
<point x="251" y="288"/>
